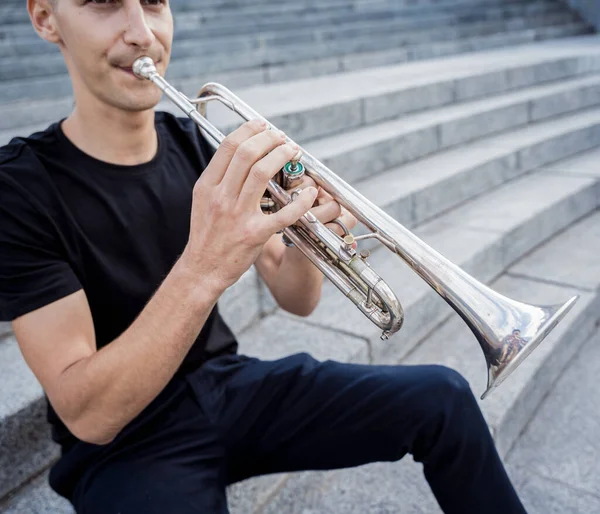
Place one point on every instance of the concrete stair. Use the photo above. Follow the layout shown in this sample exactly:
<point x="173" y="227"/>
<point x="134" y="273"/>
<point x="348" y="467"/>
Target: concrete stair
<point x="488" y="157"/>
<point x="240" y="48"/>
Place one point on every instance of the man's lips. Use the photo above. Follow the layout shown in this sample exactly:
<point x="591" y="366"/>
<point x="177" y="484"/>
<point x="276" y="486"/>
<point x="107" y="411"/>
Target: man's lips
<point x="126" y="69"/>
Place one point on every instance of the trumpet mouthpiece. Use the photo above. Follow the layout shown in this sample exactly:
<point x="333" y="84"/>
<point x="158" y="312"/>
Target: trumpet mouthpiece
<point x="143" y="67"/>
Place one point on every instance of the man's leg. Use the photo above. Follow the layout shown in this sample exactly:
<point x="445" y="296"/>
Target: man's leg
<point x="173" y="463"/>
<point x="298" y="414"/>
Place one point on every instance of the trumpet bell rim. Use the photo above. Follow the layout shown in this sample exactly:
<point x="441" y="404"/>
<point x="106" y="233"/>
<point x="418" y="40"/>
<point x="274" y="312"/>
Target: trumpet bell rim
<point x="545" y="329"/>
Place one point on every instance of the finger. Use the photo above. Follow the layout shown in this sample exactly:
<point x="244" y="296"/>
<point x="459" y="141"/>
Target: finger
<point x="248" y="154"/>
<point x="324" y="196"/>
<point x="291" y="213"/>
<point x="348" y="218"/>
<point x="327" y="212"/>
<point x="262" y="171"/>
<point x="302" y="183"/>
<point x="215" y="172"/>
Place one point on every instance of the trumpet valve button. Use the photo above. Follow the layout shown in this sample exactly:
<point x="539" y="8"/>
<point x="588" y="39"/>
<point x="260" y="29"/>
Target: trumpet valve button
<point x="293" y="170"/>
<point x="348" y="242"/>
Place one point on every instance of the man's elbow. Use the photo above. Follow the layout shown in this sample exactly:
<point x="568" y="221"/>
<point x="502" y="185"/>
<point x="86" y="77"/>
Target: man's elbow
<point x="303" y="310"/>
<point x="91" y="433"/>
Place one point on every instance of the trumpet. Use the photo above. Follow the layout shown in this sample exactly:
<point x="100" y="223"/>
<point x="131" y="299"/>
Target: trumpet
<point x="507" y="330"/>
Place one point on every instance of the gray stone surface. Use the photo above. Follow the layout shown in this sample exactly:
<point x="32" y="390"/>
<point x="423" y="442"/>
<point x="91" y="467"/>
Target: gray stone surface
<point x="588" y="9"/>
<point x="385" y="92"/>
<point x="253" y="494"/>
<point x="586" y="164"/>
<point x="5" y="329"/>
<point x="577" y="248"/>
<point x="37" y="498"/>
<point x="23" y="384"/>
<point x="543" y="496"/>
<point x="561" y="443"/>
<point x="25" y="446"/>
<point x="240" y="305"/>
<point x="372" y="149"/>
<point x="257" y="49"/>
<point x="276" y="336"/>
<point x="425" y="188"/>
<point x="382" y="488"/>
<point x="548" y="204"/>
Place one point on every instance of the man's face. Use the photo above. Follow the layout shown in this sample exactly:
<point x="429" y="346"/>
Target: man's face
<point x="101" y="39"/>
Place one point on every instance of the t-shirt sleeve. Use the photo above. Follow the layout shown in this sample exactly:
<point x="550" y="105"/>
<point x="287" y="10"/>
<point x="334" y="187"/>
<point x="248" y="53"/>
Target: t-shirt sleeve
<point x="33" y="269"/>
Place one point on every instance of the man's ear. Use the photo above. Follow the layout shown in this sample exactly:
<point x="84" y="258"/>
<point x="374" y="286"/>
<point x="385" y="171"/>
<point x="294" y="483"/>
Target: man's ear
<point x="43" y="19"/>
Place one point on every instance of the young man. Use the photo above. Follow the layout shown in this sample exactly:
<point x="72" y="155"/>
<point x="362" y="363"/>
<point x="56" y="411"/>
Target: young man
<point x="119" y="231"/>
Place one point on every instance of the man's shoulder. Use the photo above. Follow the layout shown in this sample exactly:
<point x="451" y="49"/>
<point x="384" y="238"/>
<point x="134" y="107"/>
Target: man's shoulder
<point x="24" y="148"/>
<point x="20" y="163"/>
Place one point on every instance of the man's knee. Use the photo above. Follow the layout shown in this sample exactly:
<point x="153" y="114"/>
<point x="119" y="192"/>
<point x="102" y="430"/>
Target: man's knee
<point x="447" y="382"/>
<point x="444" y="396"/>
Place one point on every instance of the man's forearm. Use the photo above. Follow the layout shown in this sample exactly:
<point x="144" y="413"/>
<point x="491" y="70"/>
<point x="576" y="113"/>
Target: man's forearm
<point x="299" y="282"/>
<point x="114" y="385"/>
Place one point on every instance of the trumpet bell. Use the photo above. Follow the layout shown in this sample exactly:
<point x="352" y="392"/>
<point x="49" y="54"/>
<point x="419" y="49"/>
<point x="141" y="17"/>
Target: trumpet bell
<point x="525" y="326"/>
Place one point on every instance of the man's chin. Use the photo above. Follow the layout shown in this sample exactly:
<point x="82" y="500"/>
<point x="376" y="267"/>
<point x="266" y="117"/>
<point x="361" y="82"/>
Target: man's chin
<point x="138" y="104"/>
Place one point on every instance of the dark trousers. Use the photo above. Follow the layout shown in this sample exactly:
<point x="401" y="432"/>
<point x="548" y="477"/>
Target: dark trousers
<point x="238" y="417"/>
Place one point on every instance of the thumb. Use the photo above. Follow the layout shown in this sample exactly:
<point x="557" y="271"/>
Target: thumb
<point x="294" y="210"/>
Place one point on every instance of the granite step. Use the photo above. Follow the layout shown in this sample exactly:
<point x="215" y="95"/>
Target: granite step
<point x="57" y="86"/>
<point x="369" y="150"/>
<point x="278" y="51"/>
<point x="36" y="497"/>
<point x="5" y="329"/>
<point x="312" y="108"/>
<point x="424" y="132"/>
<point x="16" y="14"/>
<point x="453" y="12"/>
<point x="266" y="49"/>
<point x="192" y="29"/>
<point x="316" y="107"/>
<point x="401" y="487"/>
<point x="430" y="187"/>
<point x="421" y="51"/>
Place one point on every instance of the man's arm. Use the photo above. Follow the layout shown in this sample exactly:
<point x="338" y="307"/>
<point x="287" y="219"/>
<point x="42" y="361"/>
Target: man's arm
<point x="294" y="281"/>
<point x="97" y="393"/>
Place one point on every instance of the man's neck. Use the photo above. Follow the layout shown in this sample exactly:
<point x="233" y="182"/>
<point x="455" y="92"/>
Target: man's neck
<point x="113" y="135"/>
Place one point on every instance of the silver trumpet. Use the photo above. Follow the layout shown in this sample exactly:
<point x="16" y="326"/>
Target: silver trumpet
<point x="507" y="330"/>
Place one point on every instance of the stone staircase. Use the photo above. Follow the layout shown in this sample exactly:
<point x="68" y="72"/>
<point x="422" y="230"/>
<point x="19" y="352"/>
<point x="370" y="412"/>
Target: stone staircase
<point x="488" y="154"/>
<point x="268" y="42"/>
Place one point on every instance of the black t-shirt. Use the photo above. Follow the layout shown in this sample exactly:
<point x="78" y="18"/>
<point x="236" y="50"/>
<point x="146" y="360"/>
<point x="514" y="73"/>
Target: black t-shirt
<point x="71" y="222"/>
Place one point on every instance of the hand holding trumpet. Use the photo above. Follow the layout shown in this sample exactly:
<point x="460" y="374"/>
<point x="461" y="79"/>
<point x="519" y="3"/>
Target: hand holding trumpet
<point x="325" y="208"/>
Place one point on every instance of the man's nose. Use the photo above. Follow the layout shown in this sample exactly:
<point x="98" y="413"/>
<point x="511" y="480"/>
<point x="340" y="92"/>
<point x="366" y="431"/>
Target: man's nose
<point x="137" y="32"/>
